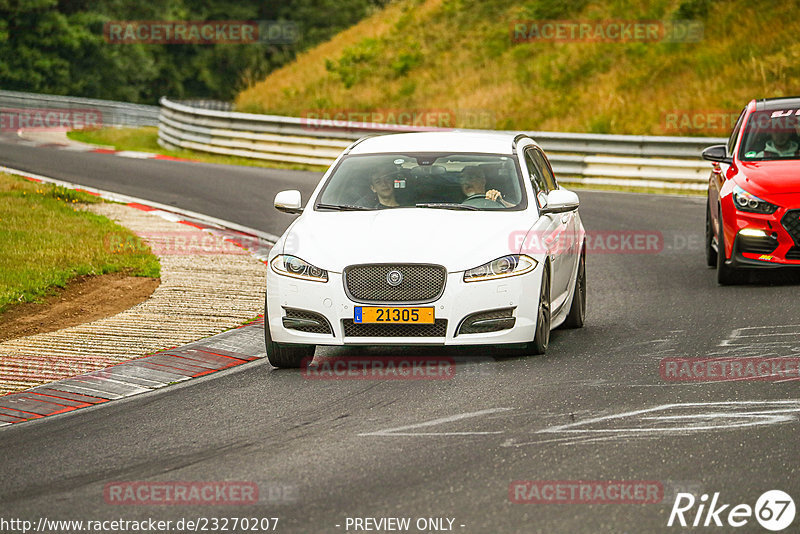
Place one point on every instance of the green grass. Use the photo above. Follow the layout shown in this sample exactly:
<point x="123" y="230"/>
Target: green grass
<point x="145" y="139"/>
<point x="46" y="240"/>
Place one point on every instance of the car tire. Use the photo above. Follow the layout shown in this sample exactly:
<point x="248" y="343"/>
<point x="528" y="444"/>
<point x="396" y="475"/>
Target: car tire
<point x="726" y="275"/>
<point x="542" y="337"/>
<point x="577" y="309"/>
<point x="282" y="355"/>
<point x="711" y="254"/>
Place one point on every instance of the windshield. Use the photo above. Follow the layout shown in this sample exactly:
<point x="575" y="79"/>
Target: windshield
<point x="771" y="135"/>
<point x="437" y="181"/>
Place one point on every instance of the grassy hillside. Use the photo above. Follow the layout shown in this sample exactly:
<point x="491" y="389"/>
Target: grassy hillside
<point x="458" y="55"/>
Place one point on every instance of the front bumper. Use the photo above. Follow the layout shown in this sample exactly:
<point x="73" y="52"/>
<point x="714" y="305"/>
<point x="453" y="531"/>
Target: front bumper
<point x="776" y="248"/>
<point x="458" y="301"/>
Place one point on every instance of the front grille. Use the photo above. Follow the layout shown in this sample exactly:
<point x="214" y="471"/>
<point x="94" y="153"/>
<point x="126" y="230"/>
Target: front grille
<point x="420" y="283"/>
<point x="793" y="254"/>
<point x="353" y="329"/>
<point x="306" y="321"/>
<point x="487" y="321"/>
<point x="791" y="221"/>
<point x="757" y="245"/>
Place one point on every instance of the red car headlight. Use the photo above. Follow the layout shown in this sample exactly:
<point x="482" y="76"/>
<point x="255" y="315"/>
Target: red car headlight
<point x="745" y="201"/>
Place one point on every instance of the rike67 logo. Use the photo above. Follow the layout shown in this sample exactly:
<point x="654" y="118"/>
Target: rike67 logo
<point x="774" y="510"/>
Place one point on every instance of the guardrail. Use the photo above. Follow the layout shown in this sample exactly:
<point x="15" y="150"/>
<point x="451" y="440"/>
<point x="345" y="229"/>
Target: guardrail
<point x="113" y="113"/>
<point x="211" y="126"/>
<point x="588" y="158"/>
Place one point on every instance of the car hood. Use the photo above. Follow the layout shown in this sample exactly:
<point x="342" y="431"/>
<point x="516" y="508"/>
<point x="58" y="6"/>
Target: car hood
<point x="458" y="240"/>
<point x="771" y="180"/>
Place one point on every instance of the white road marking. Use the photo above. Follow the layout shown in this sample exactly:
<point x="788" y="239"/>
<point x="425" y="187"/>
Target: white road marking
<point x="572" y="440"/>
<point x="399" y="431"/>
<point x="414" y="434"/>
<point x="785" y="413"/>
<point x="750" y="335"/>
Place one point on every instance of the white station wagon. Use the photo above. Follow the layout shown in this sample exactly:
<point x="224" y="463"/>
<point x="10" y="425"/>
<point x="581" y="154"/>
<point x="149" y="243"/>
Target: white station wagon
<point x="430" y="238"/>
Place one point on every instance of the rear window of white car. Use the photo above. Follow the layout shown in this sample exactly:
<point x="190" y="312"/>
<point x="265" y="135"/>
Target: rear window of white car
<point x="380" y="181"/>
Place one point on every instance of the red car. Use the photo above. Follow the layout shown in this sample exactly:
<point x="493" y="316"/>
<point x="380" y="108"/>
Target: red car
<point x="753" y="210"/>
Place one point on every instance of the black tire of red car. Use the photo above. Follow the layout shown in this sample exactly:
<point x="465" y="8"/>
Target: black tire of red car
<point x="542" y="337"/>
<point x="711" y="254"/>
<point x="283" y="355"/>
<point x="577" y="309"/>
<point x="726" y="275"/>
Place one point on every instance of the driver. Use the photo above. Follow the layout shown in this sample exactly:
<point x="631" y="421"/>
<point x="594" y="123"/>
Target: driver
<point x="780" y="144"/>
<point x="473" y="182"/>
<point x="381" y="182"/>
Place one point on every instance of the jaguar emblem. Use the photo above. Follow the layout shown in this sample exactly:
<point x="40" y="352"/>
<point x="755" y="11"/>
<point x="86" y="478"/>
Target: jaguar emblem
<point x="394" y="278"/>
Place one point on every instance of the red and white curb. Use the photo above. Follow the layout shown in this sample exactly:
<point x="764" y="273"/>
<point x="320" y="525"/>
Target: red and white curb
<point x="59" y="140"/>
<point x="127" y="153"/>
<point x="137" y="376"/>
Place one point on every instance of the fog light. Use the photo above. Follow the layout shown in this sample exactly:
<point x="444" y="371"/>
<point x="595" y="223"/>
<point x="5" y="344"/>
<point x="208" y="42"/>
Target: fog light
<point x="487" y="321"/>
<point x="753" y="232"/>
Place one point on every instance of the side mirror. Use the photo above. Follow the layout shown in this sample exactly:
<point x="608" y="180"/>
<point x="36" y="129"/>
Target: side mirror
<point x="717" y="153"/>
<point x="289" y="201"/>
<point x="559" y="201"/>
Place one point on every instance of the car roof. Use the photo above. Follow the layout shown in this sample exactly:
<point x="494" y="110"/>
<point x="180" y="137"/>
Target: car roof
<point x="450" y="141"/>
<point x="784" y="102"/>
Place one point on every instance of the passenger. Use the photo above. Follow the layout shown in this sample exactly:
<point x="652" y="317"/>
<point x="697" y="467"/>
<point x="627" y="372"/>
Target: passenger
<point x="473" y="182"/>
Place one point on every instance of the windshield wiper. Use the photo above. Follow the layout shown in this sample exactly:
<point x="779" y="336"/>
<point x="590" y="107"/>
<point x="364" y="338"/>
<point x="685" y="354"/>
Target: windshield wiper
<point x="343" y="207"/>
<point x="446" y="206"/>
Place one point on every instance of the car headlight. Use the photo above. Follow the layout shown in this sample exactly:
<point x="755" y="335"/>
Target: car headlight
<point x="745" y="201"/>
<point x="296" y="268"/>
<point x="511" y="265"/>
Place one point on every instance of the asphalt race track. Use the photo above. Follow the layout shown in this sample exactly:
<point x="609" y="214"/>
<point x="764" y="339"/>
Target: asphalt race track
<point x="595" y="408"/>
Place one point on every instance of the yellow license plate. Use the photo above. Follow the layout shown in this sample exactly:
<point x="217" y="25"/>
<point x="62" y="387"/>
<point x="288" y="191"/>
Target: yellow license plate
<point x="375" y="314"/>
